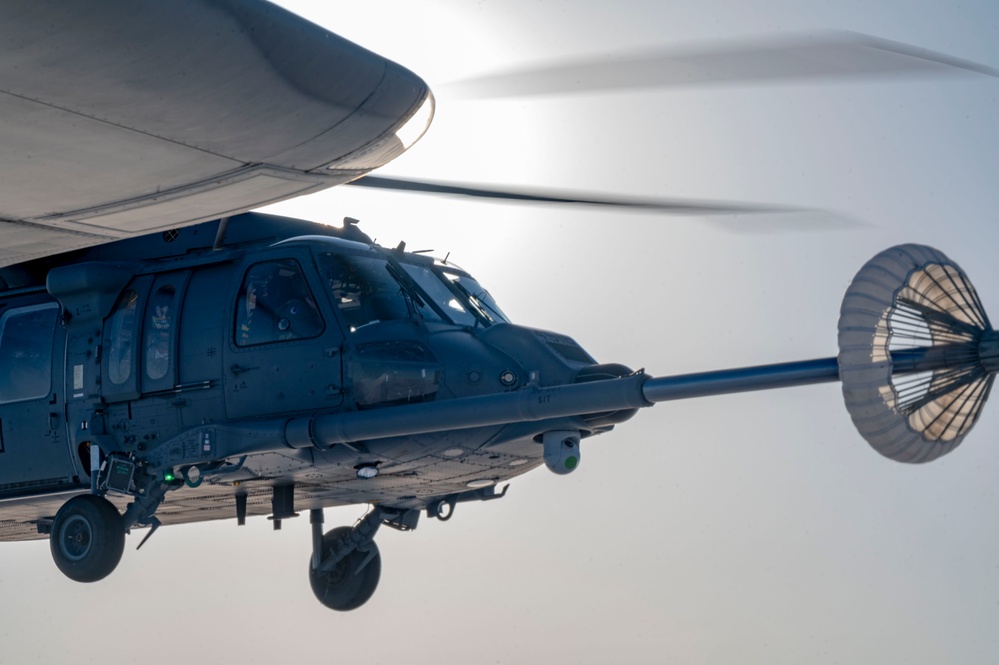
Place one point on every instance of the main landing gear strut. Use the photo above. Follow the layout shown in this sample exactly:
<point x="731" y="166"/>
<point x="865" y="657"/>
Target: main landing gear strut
<point x="345" y="564"/>
<point x="87" y="535"/>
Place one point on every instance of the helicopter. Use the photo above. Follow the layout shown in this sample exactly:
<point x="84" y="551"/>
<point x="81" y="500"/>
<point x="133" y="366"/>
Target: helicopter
<point x="225" y="364"/>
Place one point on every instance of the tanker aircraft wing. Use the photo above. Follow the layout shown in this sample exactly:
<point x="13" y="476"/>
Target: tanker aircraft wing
<point x="126" y="117"/>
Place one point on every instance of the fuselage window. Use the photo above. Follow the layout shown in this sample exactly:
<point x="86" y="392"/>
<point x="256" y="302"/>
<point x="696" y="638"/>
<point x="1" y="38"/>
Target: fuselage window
<point x="122" y="344"/>
<point x="26" y="352"/>
<point x="159" y="325"/>
<point x="275" y="304"/>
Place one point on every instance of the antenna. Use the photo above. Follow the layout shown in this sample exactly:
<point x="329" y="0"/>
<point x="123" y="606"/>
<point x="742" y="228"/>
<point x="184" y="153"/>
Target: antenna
<point x="220" y="234"/>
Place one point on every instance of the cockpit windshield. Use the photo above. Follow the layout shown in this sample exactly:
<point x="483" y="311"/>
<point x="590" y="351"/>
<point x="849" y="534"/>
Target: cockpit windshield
<point x="438" y="291"/>
<point x="476" y="294"/>
<point x="457" y="294"/>
<point x="369" y="290"/>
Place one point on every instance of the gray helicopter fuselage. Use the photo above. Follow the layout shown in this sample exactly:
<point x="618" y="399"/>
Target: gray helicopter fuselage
<point x="194" y="361"/>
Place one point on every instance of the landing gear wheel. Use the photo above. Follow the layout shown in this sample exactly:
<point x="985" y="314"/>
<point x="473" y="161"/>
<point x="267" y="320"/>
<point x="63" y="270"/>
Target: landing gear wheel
<point x="88" y="538"/>
<point x="348" y="586"/>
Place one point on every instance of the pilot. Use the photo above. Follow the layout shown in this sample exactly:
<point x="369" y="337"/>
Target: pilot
<point x="277" y="306"/>
<point x="257" y="324"/>
<point x="298" y="317"/>
<point x="364" y="293"/>
<point x="351" y="293"/>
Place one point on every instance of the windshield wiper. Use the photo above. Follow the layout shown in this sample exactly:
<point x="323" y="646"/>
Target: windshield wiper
<point x="479" y="306"/>
<point x="408" y="290"/>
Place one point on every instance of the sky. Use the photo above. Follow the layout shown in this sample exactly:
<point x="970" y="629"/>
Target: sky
<point x="755" y="528"/>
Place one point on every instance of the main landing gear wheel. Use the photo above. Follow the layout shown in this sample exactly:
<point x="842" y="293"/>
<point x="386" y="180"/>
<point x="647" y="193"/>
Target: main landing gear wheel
<point x="88" y="538"/>
<point x="354" y="579"/>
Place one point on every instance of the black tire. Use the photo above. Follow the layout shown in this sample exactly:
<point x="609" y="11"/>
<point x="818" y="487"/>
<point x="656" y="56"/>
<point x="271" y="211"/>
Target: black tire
<point x="88" y="538"/>
<point x="348" y="586"/>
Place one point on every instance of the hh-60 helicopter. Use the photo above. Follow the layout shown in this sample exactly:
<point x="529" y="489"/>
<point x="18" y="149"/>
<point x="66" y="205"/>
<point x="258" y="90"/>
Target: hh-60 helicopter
<point x="169" y="358"/>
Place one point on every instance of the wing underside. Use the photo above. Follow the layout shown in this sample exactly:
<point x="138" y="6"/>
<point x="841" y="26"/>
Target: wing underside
<point x="120" y="118"/>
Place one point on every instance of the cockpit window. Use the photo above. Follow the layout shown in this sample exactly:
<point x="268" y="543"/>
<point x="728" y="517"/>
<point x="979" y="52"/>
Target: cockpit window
<point x="363" y="290"/>
<point x="438" y="291"/>
<point x="478" y="296"/>
<point x="370" y="290"/>
<point x="275" y="304"/>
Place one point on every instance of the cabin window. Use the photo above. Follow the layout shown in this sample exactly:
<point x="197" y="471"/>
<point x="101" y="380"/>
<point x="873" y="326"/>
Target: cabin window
<point x="159" y="327"/>
<point x="26" y="336"/>
<point x="121" y="348"/>
<point x="275" y="304"/>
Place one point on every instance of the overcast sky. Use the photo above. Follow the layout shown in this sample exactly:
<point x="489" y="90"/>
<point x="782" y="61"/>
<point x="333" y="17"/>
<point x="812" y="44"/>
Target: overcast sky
<point x="754" y="528"/>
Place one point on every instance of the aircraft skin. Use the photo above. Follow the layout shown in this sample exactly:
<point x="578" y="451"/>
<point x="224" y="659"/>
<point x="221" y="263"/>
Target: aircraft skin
<point x="190" y="374"/>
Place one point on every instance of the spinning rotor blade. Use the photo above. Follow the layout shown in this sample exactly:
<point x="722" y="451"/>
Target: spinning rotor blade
<point x="667" y="206"/>
<point x="834" y="55"/>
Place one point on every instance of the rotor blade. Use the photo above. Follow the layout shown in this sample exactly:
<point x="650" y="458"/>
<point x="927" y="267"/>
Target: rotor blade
<point x="668" y="206"/>
<point x="826" y="55"/>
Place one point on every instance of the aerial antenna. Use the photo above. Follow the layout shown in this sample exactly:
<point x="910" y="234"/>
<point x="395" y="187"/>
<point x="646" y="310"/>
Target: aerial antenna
<point x="220" y="234"/>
